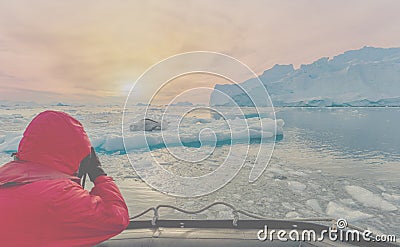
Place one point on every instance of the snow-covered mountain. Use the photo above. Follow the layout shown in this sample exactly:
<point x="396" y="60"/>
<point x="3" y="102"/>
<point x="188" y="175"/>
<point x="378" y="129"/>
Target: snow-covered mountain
<point x="365" y="77"/>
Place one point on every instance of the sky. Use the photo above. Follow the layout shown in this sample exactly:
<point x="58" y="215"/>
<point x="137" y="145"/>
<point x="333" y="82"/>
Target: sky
<point x="93" y="51"/>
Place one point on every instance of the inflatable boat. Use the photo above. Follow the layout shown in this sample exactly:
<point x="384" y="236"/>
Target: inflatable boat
<point x="239" y="232"/>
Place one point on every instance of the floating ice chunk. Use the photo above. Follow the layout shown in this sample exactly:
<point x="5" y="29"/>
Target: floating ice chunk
<point x="100" y="121"/>
<point x="194" y="132"/>
<point x="292" y="215"/>
<point x="10" y="141"/>
<point x="146" y="124"/>
<point x="113" y="143"/>
<point x="313" y="203"/>
<point x="18" y="120"/>
<point x="297" y="173"/>
<point x="277" y="170"/>
<point x="296" y="186"/>
<point x="381" y="187"/>
<point x="339" y="211"/>
<point x="191" y="131"/>
<point x="391" y="197"/>
<point x="369" y="199"/>
<point x="288" y="206"/>
<point x="348" y="202"/>
<point x="376" y="231"/>
<point x="97" y="141"/>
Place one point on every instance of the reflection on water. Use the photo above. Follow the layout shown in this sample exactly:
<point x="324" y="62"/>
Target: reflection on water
<point x="354" y="141"/>
<point x="355" y="132"/>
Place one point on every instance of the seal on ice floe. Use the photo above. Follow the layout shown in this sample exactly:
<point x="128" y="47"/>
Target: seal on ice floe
<point x="146" y="124"/>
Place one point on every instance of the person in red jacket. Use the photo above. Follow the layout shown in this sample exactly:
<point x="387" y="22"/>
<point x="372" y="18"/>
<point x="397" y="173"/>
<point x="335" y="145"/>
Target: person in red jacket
<point x="41" y="200"/>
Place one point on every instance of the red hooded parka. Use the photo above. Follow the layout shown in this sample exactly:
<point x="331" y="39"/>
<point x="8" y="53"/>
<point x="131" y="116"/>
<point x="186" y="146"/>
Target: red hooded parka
<point x="42" y="202"/>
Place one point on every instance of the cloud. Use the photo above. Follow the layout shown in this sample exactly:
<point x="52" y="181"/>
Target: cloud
<point x="97" y="47"/>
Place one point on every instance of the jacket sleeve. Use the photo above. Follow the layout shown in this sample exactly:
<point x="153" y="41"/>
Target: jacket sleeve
<point x="89" y="218"/>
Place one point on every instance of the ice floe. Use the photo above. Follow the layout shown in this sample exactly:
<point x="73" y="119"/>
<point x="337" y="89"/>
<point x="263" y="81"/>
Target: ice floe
<point x="292" y="215"/>
<point x="296" y="187"/>
<point x="340" y="211"/>
<point x="194" y="131"/>
<point x="369" y="199"/>
<point x="9" y="141"/>
<point x="313" y="203"/>
<point x="391" y="197"/>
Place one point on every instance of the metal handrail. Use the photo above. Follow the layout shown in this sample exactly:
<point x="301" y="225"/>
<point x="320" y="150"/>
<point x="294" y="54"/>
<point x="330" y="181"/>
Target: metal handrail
<point x="235" y="213"/>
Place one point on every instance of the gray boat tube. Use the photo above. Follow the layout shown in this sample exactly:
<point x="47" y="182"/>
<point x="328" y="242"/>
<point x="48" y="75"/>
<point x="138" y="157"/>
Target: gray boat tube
<point x="237" y="232"/>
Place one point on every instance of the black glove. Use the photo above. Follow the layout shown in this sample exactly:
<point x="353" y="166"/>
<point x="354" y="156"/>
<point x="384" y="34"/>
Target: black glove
<point x="91" y="165"/>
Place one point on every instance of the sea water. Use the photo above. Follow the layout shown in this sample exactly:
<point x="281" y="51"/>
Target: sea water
<point x="329" y="162"/>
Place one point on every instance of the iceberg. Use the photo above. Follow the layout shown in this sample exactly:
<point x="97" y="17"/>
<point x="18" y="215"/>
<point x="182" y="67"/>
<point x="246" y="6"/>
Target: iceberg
<point x="195" y="133"/>
<point x="365" y="77"/>
<point x="192" y="132"/>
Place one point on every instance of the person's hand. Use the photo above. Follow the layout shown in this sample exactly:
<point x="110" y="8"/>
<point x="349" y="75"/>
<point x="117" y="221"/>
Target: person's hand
<point x="91" y="165"/>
